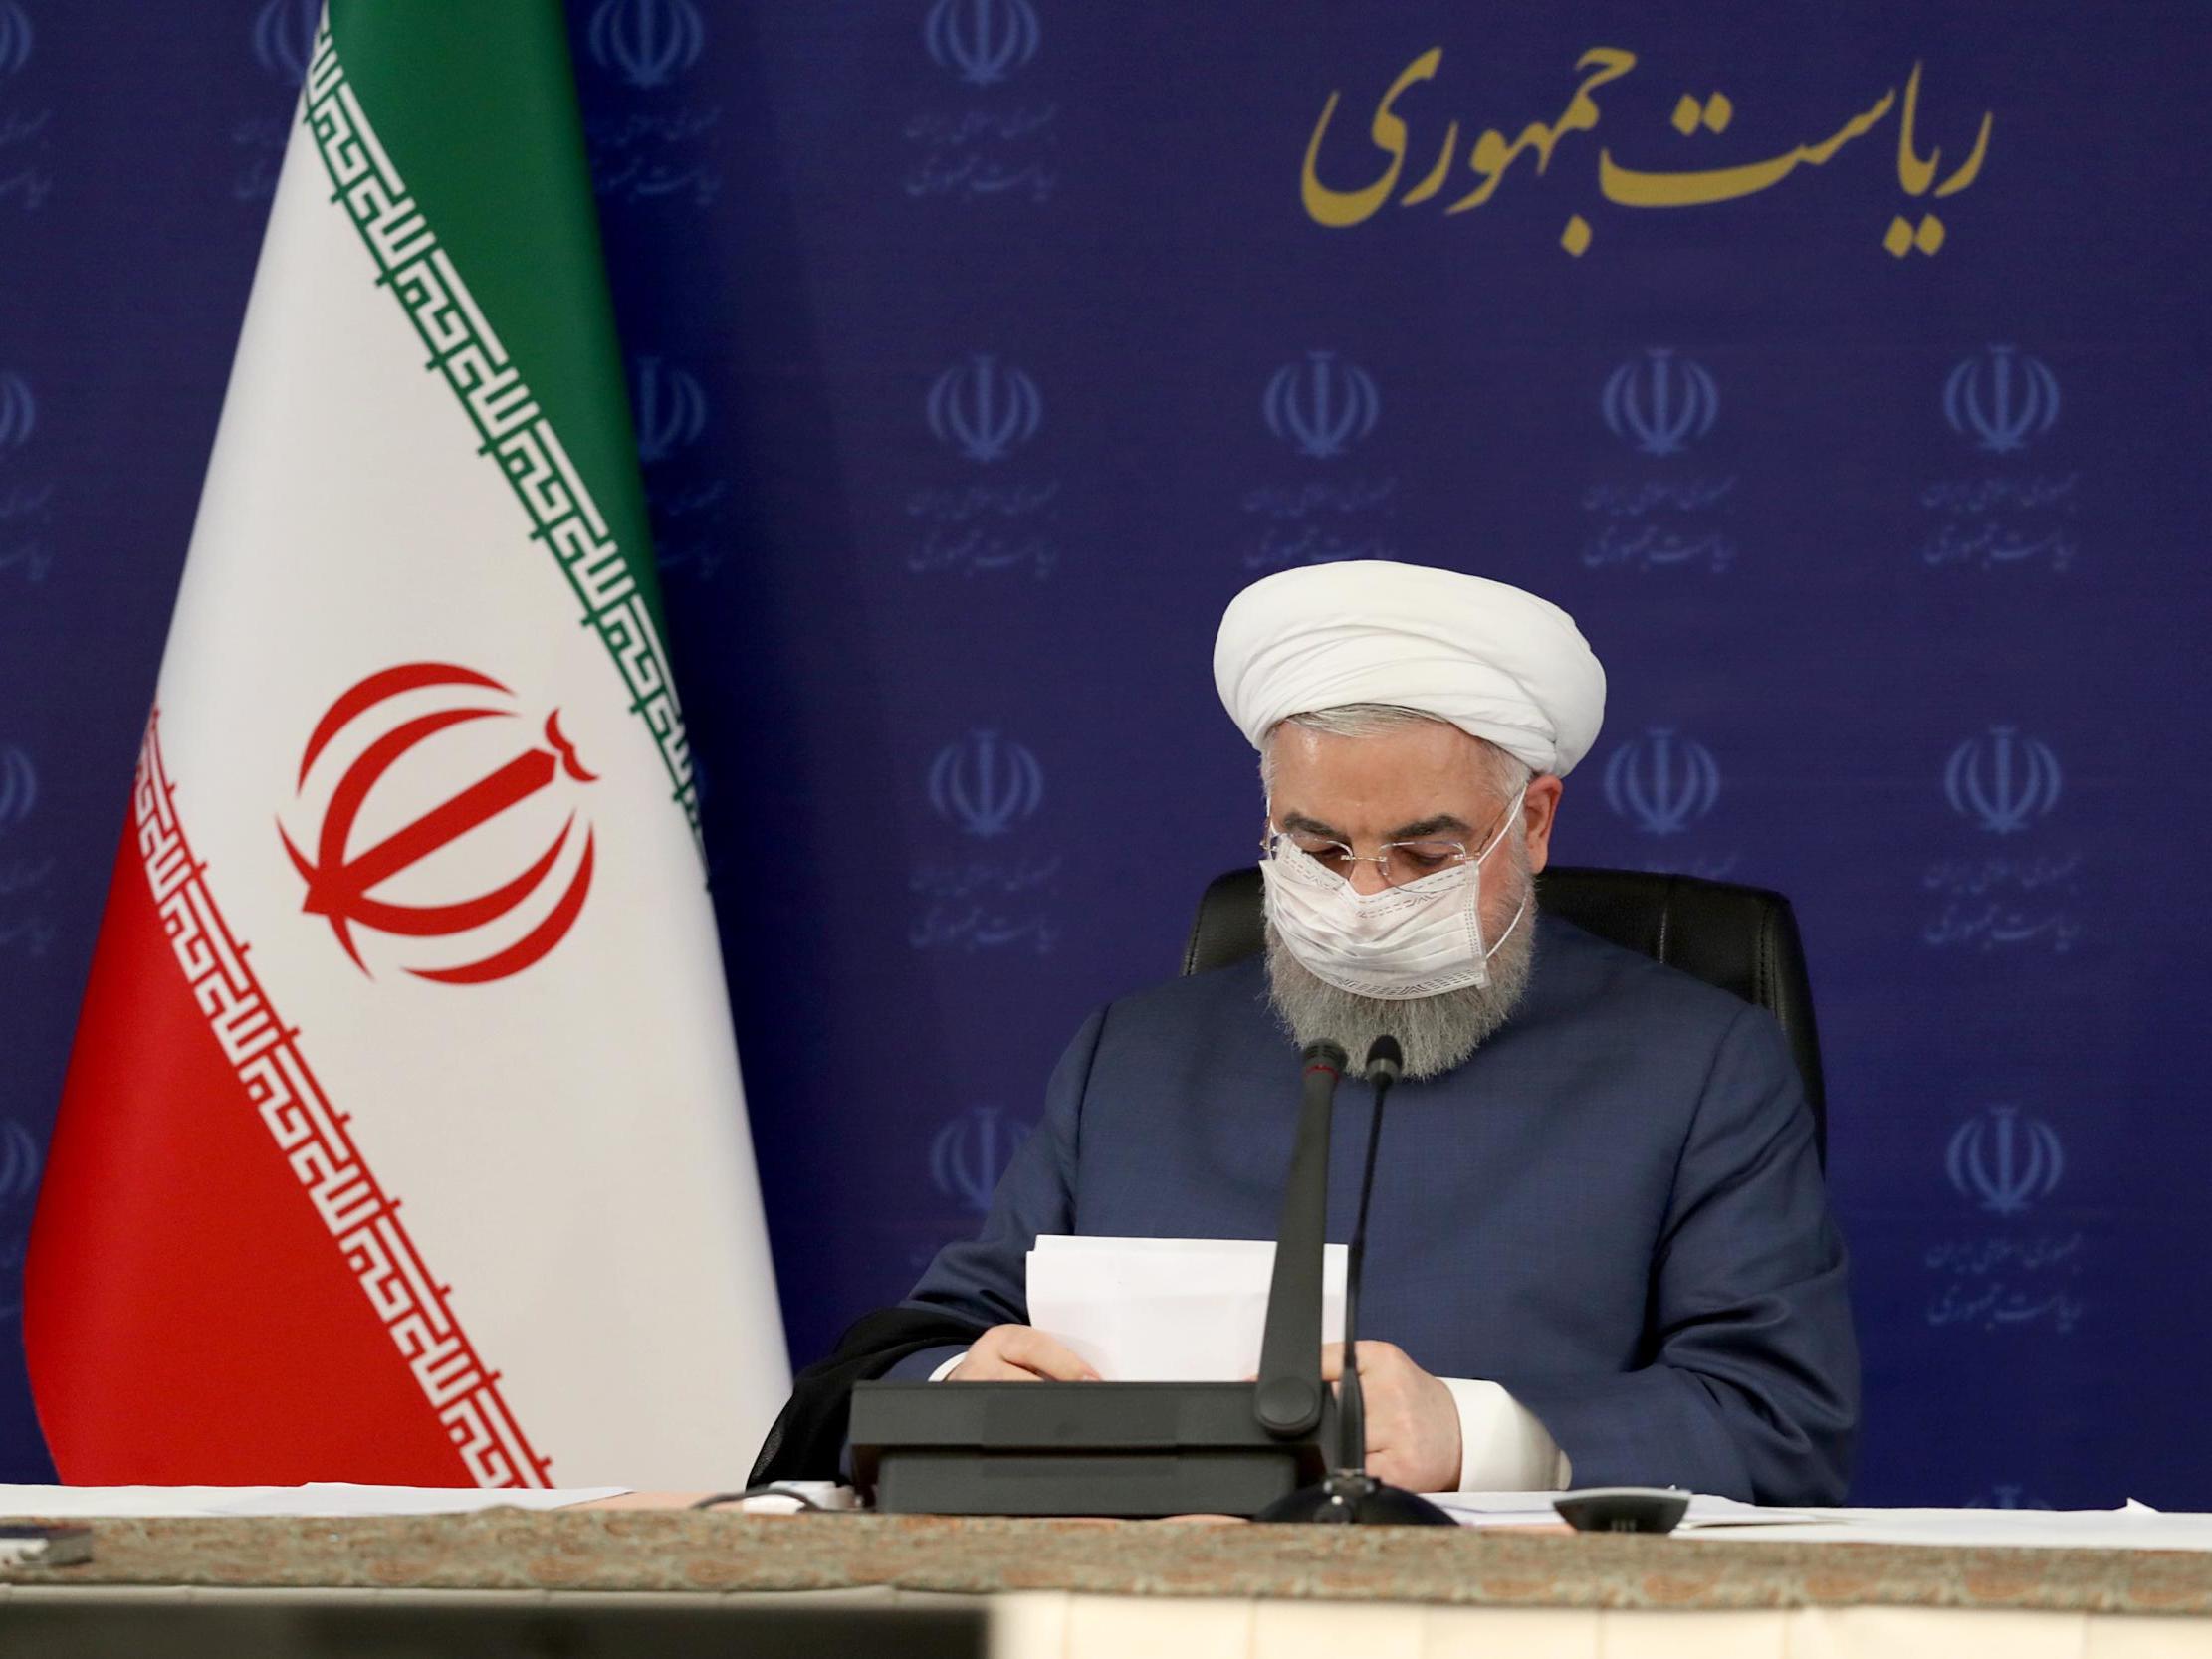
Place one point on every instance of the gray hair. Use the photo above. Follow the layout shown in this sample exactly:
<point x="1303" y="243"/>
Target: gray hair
<point x="1503" y="773"/>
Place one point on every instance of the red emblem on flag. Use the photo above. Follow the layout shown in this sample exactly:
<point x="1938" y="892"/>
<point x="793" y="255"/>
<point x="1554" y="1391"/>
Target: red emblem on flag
<point x="380" y="728"/>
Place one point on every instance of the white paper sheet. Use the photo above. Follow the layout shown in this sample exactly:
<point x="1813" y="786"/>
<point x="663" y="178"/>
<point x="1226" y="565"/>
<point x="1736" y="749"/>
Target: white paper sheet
<point x="1166" y="1310"/>
<point x="2134" y="1525"/>
<point x="317" y="1498"/>
<point x="1534" y="1509"/>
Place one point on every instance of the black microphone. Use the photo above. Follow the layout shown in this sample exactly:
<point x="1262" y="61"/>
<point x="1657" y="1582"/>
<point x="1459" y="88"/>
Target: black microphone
<point x="1287" y="1398"/>
<point x="1385" y="1062"/>
<point x="1351" y="1493"/>
<point x="1134" y="1448"/>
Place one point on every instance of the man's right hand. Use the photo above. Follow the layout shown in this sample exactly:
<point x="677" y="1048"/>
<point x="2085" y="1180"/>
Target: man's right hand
<point x="1020" y="1354"/>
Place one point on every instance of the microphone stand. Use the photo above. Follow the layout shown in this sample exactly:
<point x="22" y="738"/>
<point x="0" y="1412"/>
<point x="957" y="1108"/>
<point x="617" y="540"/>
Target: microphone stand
<point x="1350" y="1494"/>
<point x="1352" y="1397"/>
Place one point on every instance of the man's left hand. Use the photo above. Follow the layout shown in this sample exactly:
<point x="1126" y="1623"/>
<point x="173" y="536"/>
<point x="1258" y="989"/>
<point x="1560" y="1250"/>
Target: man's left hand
<point x="1413" y="1422"/>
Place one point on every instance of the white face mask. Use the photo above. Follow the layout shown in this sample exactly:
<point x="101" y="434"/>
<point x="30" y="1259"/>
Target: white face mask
<point x="1421" y="939"/>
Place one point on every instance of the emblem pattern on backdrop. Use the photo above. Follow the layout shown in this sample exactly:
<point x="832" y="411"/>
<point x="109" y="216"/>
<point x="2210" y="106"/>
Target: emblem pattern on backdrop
<point x="1326" y="499"/>
<point x="991" y="889"/>
<point x="987" y="506"/>
<point x="27" y="864"/>
<point x="987" y="132"/>
<point x="1666" y="504"/>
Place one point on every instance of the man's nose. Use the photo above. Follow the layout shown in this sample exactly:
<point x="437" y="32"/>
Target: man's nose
<point x="1367" y="876"/>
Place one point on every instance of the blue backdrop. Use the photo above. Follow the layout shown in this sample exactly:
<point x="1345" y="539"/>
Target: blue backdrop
<point x="982" y="348"/>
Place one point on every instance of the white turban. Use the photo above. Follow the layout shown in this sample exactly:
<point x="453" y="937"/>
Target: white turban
<point x="1498" y="663"/>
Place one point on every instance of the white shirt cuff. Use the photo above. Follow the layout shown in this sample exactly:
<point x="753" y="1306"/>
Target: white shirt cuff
<point x="953" y="1364"/>
<point x="1504" y="1446"/>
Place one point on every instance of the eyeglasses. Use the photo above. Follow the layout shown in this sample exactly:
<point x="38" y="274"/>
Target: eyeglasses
<point x="1399" y="862"/>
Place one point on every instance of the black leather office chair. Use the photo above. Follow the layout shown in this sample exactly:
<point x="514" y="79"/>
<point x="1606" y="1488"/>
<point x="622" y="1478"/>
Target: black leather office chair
<point x="1742" y="938"/>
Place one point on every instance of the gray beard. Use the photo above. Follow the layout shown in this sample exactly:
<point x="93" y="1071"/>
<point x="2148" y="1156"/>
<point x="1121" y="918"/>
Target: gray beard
<point x="1437" y="1033"/>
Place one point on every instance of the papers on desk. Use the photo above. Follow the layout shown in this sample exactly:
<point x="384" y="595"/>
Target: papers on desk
<point x="1723" y="1520"/>
<point x="1534" y="1509"/>
<point x="2133" y="1526"/>
<point x="1166" y="1310"/>
<point x="317" y="1498"/>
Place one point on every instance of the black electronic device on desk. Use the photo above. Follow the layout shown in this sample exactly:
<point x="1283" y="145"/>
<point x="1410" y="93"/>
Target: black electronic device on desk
<point x="1131" y="1449"/>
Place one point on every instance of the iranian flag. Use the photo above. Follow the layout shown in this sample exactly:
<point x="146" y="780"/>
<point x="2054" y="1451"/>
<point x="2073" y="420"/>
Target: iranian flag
<point x="403" y="1139"/>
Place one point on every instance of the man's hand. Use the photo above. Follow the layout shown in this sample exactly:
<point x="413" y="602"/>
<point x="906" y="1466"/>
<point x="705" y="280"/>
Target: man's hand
<point x="1413" y="1422"/>
<point x="1023" y="1353"/>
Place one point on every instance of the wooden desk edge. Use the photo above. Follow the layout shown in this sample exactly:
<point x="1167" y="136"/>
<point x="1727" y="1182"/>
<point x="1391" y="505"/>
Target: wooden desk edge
<point x="655" y="1548"/>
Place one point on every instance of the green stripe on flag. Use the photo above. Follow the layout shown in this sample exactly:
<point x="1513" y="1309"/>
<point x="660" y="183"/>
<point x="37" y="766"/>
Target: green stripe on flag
<point x="451" y="136"/>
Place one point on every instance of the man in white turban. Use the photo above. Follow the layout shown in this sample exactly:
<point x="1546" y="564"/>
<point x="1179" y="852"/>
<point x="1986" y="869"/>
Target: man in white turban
<point x="1494" y="661"/>
<point x="1602" y="1250"/>
<point x="1458" y="702"/>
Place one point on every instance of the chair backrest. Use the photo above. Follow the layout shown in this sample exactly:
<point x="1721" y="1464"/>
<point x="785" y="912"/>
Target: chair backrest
<point x="1743" y="939"/>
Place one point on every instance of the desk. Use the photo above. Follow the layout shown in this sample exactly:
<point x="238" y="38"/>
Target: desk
<point x="1071" y="1589"/>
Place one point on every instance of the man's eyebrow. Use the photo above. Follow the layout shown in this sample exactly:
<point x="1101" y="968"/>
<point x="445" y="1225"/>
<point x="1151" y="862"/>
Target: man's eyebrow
<point x="1302" y="825"/>
<point x="1442" y="823"/>
<point x="1439" y="824"/>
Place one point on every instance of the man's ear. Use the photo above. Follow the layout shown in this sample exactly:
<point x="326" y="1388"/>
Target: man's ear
<point x="1539" y="811"/>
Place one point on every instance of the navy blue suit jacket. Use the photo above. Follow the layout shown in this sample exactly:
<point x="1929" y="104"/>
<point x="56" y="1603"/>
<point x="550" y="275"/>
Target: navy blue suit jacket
<point x="1614" y="1208"/>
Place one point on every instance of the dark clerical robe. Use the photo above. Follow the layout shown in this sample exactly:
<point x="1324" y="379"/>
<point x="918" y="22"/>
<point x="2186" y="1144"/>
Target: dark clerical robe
<point x="1614" y="1208"/>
